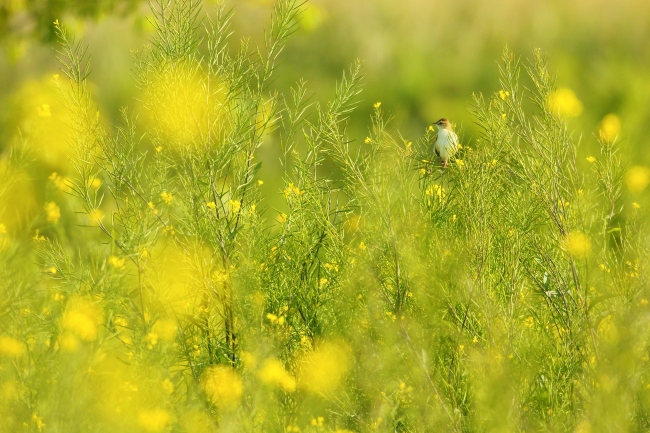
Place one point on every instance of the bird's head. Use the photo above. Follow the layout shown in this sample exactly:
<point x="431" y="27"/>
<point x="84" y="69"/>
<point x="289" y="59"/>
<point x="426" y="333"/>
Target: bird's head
<point x="442" y="124"/>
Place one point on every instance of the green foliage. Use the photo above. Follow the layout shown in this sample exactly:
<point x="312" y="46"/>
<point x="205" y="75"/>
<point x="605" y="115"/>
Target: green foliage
<point x="161" y="293"/>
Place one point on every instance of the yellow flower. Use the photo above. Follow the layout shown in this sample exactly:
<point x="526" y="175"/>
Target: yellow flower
<point x="323" y="369"/>
<point x="564" y="103"/>
<point x="94" y="182"/>
<point x="167" y="197"/>
<point x="154" y="420"/>
<point x="260" y="182"/>
<point x="10" y="347"/>
<point x="460" y="163"/>
<point x="610" y="127"/>
<point x="211" y="205"/>
<point x="368" y="140"/>
<point x="503" y="95"/>
<point x="52" y="212"/>
<point x="56" y="23"/>
<point x="168" y="386"/>
<point x="43" y="110"/>
<point x="165" y="329"/>
<point x="637" y="178"/>
<point x="234" y="205"/>
<point x="362" y="246"/>
<point x="96" y="215"/>
<point x="116" y="262"/>
<point x="159" y="149"/>
<point x="636" y="205"/>
<point x="291" y="189"/>
<point x="223" y="386"/>
<point x="82" y="318"/>
<point x="62" y="183"/>
<point x="591" y="159"/>
<point x="282" y="218"/>
<point x="274" y="373"/>
<point x="377" y="105"/>
<point x="577" y="244"/>
<point x="529" y="322"/>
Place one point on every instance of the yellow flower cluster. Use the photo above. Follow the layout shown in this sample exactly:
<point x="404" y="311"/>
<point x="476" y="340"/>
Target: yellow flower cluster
<point x="610" y="127"/>
<point x="322" y="370"/>
<point x="81" y="319"/>
<point x="234" y="205"/>
<point x="154" y="420"/>
<point x="62" y="183"/>
<point x="292" y="190"/>
<point x="52" y="212"/>
<point x="637" y="179"/>
<point x="116" y="262"/>
<point x="274" y="373"/>
<point x="223" y="386"/>
<point x="43" y="110"/>
<point x="564" y="103"/>
<point x="167" y="197"/>
<point x="577" y="244"/>
<point x="11" y="347"/>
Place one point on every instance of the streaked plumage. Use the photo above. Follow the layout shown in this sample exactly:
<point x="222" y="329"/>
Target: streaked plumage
<point x="446" y="144"/>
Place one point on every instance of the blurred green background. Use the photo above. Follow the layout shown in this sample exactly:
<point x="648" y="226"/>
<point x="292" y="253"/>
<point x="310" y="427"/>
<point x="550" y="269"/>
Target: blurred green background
<point x="423" y="59"/>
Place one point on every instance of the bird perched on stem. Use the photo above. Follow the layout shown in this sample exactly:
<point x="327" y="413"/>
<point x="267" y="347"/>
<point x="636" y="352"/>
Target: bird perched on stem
<point x="446" y="144"/>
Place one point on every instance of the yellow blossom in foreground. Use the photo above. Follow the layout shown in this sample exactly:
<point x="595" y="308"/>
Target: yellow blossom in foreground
<point x="234" y="205"/>
<point x="636" y="205"/>
<point x="503" y="95"/>
<point x="260" y="182"/>
<point x="282" y="218"/>
<point x="578" y="244"/>
<point x="564" y="102"/>
<point x="211" y="205"/>
<point x="323" y="369"/>
<point x="154" y="420"/>
<point x="62" y="183"/>
<point x="223" y="386"/>
<point x="165" y="329"/>
<point x="368" y="140"/>
<point x="168" y="386"/>
<point x="43" y="110"/>
<point x="377" y="105"/>
<point x="610" y="127"/>
<point x="94" y="182"/>
<point x="274" y="373"/>
<point x="82" y="318"/>
<point x="116" y="262"/>
<point x="96" y="216"/>
<point x="167" y="197"/>
<point x="52" y="212"/>
<point x="591" y="159"/>
<point x="637" y="178"/>
<point x="10" y="347"/>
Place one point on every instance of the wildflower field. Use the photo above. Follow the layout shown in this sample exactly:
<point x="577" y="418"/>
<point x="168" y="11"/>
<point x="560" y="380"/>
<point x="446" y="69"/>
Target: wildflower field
<point x="155" y="282"/>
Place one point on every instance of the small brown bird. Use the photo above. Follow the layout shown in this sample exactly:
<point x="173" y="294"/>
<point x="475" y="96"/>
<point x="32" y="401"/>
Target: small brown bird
<point x="446" y="144"/>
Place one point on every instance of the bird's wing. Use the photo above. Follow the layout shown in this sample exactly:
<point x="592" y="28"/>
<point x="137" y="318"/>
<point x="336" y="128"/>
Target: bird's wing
<point x="453" y="138"/>
<point x="452" y="141"/>
<point x="435" y="147"/>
